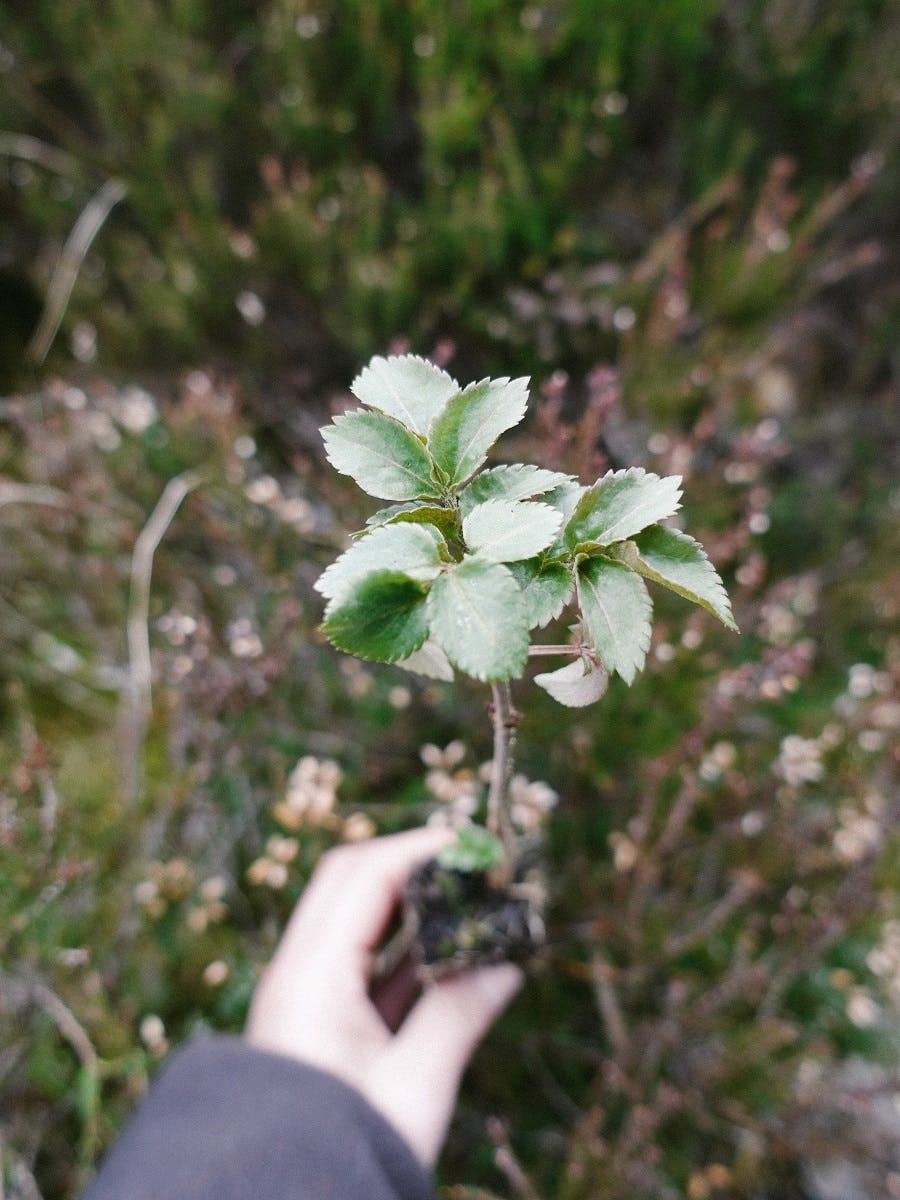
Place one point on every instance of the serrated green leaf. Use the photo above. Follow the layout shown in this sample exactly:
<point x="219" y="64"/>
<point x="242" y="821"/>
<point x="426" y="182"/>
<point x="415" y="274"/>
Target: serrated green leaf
<point x="620" y="505"/>
<point x="476" y="613"/>
<point x="575" y="685"/>
<point x="513" y="481"/>
<point x="417" y="512"/>
<point x="510" y="530"/>
<point x="678" y="562"/>
<point x="413" y="549"/>
<point x="471" y="422"/>
<point x="615" y="607"/>
<point x="546" y="589"/>
<point x="380" y="618"/>
<point x="406" y="387"/>
<point x="474" y="850"/>
<point x="564" y="499"/>
<point x="381" y="454"/>
<point x="429" y="660"/>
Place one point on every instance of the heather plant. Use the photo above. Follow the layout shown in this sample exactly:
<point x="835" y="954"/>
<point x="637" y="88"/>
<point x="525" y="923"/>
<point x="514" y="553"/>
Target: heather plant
<point x="336" y="172"/>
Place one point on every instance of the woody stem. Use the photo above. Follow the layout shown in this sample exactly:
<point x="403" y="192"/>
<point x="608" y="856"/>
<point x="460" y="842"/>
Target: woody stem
<point x="504" y="720"/>
<point x="573" y="649"/>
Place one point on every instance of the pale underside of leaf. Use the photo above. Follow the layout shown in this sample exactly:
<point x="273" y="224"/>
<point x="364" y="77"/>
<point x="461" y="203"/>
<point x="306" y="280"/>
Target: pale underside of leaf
<point x="620" y="505"/>
<point x="616" y="608"/>
<point x="417" y="512"/>
<point x="546" y="589"/>
<point x="513" y="481"/>
<point x="477" y="615"/>
<point x="382" y="618"/>
<point x="575" y="685"/>
<point x="381" y="454"/>
<point x="679" y="562"/>
<point x="429" y="660"/>
<point x="413" y="549"/>
<point x="510" y="530"/>
<point x="471" y="422"/>
<point x="406" y="387"/>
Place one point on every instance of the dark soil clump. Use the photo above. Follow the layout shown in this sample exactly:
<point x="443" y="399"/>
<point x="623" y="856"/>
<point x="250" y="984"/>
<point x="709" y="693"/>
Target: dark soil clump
<point x="460" y="919"/>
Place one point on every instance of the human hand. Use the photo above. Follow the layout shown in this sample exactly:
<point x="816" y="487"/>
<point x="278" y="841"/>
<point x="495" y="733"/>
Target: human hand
<point x="314" y="1004"/>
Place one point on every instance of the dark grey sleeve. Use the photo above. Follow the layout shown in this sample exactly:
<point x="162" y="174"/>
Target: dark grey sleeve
<point x="224" y="1121"/>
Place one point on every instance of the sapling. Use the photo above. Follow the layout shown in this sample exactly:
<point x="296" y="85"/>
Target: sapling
<point x="467" y="562"/>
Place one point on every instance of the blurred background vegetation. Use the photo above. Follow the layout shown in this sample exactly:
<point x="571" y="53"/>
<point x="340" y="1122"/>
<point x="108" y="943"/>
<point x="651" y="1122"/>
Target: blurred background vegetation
<point x="682" y="221"/>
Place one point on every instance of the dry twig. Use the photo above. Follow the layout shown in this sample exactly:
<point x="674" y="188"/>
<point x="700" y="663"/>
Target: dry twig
<point x="78" y="243"/>
<point x="67" y="1023"/>
<point x="33" y="150"/>
<point x="140" y="671"/>
<point x="507" y="1163"/>
<point x="504" y="719"/>
<point x="608" y="1003"/>
<point x="34" y="493"/>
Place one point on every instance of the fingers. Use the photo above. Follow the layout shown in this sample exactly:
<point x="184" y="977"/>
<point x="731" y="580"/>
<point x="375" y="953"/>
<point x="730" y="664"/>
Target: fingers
<point x="450" y="1019"/>
<point x="420" y="1077"/>
<point x="354" y="890"/>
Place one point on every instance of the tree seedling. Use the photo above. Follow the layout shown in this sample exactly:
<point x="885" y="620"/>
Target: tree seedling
<point x="461" y="568"/>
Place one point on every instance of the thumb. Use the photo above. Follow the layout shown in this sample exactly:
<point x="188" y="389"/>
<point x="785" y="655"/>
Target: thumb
<point x="449" y="1020"/>
<point x="430" y="1052"/>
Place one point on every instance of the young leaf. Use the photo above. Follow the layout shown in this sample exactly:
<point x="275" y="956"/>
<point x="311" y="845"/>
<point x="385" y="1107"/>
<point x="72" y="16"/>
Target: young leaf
<point x="616" y="609"/>
<point x="413" y="549"/>
<point x="380" y="618"/>
<point x="620" y="505"/>
<point x="471" y="422"/>
<point x="575" y="685"/>
<point x="416" y="512"/>
<point x="546" y="589"/>
<point x="476" y="613"/>
<point x="406" y="387"/>
<point x="474" y="850"/>
<point x="677" y="561"/>
<point x="381" y="454"/>
<point x="429" y="660"/>
<point x="515" y="481"/>
<point x="510" y="530"/>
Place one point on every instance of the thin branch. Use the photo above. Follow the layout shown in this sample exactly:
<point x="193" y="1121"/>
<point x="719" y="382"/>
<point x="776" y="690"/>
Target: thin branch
<point x="33" y="150"/>
<point x="573" y="650"/>
<point x="504" y="721"/>
<point x="67" y="1024"/>
<point x="505" y="1160"/>
<point x="20" y="1176"/>
<point x="78" y="243"/>
<point x="742" y="889"/>
<point x="608" y="1003"/>
<point x="549" y="1085"/>
<point x="140" y="671"/>
<point x="31" y="493"/>
<point x="33" y="754"/>
<point x="71" y="1029"/>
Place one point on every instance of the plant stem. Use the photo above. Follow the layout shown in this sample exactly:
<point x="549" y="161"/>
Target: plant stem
<point x="574" y="650"/>
<point x="505" y="720"/>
